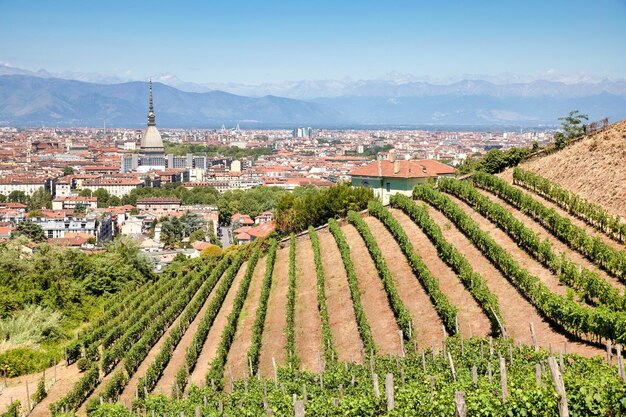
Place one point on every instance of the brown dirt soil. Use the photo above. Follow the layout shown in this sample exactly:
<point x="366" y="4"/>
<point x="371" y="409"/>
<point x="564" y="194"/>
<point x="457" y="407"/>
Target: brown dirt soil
<point x="238" y="354"/>
<point x="426" y="321"/>
<point x="600" y="170"/>
<point x="166" y="382"/>
<point x="308" y="324"/>
<point x="341" y="317"/>
<point x="516" y="311"/>
<point x="557" y="245"/>
<point x="82" y="410"/>
<point x="518" y="254"/>
<point x="589" y="229"/>
<point x="472" y="320"/>
<point x="130" y="390"/>
<point x="215" y="334"/>
<point x="373" y="295"/>
<point x="66" y="377"/>
<point x="273" y="340"/>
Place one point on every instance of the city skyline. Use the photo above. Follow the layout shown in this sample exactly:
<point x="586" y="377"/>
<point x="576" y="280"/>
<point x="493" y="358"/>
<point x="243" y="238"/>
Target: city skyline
<point x="245" y="42"/>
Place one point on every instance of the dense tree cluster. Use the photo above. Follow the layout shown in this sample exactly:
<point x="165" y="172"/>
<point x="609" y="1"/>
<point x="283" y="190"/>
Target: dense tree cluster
<point x="65" y="279"/>
<point x="312" y="206"/>
<point x="496" y="160"/>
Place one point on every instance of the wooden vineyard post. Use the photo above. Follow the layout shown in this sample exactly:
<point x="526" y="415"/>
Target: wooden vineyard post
<point x="475" y="375"/>
<point x="452" y="366"/>
<point x="401" y="334"/>
<point x="489" y="373"/>
<point x="503" y="382"/>
<point x="305" y="397"/>
<point x="538" y="374"/>
<point x="423" y="361"/>
<point x="620" y="363"/>
<point x="27" y="397"/>
<point x="490" y="347"/>
<point x="608" y="352"/>
<point x="375" y="382"/>
<point x="533" y="335"/>
<point x="459" y="404"/>
<point x="389" y="391"/>
<point x="198" y="414"/>
<point x="275" y="372"/>
<point x="298" y="407"/>
<point x="559" y="387"/>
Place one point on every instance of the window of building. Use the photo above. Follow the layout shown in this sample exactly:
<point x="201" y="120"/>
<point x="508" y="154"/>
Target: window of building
<point x="388" y="187"/>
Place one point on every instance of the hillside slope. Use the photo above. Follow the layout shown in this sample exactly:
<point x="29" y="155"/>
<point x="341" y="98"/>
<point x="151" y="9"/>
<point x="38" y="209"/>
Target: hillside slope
<point x="593" y="168"/>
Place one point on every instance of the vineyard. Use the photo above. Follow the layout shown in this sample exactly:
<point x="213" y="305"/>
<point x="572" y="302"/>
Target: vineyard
<point x="480" y="296"/>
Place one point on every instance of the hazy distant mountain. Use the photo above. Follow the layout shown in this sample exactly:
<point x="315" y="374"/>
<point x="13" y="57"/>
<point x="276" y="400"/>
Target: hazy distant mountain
<point x="395" y="99"/>
<point x="27" y="100"/>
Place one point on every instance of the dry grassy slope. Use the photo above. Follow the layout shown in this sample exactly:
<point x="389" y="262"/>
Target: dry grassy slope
<point x="594" y="168"/>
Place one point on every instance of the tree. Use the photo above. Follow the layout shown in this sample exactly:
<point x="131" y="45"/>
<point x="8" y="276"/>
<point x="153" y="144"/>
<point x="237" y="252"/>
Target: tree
<point x="80" y="208"/>
<point x="17" y="196"/>
<point x="3" y="198"/>
<point x="41" y="199"/>
<point x="68" y="170"/>
<point x="197" y="235"/>
<point x="573" y="127"/>
<point x="103" y="197"/>
<point x="31" y="230"/>
<point x="85" y="192"/>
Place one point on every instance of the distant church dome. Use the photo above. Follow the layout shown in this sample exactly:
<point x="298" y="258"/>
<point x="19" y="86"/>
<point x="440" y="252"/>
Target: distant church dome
<point x="151" y="142"/>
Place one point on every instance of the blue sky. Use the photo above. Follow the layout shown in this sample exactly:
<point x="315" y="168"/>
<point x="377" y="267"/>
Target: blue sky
<point x="263" y="41"/>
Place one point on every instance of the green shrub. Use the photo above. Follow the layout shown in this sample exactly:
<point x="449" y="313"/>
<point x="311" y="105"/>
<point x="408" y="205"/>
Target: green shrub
<point x="83" y="364"/>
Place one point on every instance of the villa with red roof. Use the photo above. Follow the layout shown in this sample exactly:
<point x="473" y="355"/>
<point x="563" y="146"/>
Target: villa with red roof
<point x="391" y="176"/>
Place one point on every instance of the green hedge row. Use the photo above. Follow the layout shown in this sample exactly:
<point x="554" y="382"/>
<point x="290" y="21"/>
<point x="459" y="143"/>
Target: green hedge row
<point x="403" y="318"/>
<point x="361" y="319"/>
<point x="591" y="285"/>
<point x="259" y="321"/>
<point x="327" y="337"/>
<point x="447" y="312"/>
<point x="599" y="322"/>
<point x="156" y="368"/>
<point x="472" y="280"/>
<point x="594" y="248"/>
<point x="587" y="211"/>
<point x="290" y="332"/>
<point x="140" y="322"/>
<point x="195" y="348"/>
<point x="216" y="371"/>
<point x="164" y="314"/>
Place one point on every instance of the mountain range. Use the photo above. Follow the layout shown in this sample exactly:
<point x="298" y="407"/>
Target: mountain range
<point x="74" y="99"/>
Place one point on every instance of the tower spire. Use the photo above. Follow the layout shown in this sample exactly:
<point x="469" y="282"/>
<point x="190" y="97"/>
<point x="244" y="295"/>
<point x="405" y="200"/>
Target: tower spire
<point x="151" y="115"/>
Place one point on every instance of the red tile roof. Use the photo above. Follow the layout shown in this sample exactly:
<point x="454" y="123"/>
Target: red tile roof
<point x="263" y="229"/>
<point x="405" y="169"/>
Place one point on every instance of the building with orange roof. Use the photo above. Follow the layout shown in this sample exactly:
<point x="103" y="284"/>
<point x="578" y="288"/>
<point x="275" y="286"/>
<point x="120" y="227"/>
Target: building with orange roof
<point x="392" y="176"/>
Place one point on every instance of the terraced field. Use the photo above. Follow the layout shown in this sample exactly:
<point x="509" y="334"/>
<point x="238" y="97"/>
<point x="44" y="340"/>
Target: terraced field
<point x="471" y="259"/>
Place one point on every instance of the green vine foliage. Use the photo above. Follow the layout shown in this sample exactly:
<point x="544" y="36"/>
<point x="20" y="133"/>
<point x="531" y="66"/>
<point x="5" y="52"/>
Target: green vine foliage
<point x="327" y="337"/>
<point x="216" y="371"/>
<point x="599" y="323"/>
<point x="594" y="248"/>
<point x="591" y="286"/>
<point x="587" y="211"/>
<point x="447" y="312"/>
<point x="156" y="368"/>
<point x="473" y="281"/>
<point x="403" y="318"/>
<point x="195" y="347"/>
<point x="593" y="388"/>
<point x="290" y="328"/>
<point x="361" y="319"/>
<point x="259" y="321"/>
